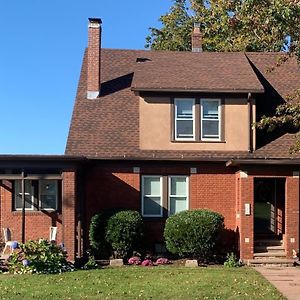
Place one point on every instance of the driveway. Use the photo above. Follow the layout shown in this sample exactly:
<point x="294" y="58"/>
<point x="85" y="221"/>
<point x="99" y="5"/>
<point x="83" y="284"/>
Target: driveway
<point x="285" y="279"/>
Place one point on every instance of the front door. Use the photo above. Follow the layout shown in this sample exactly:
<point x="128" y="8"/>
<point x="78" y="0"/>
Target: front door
<point x="268" y="206"/>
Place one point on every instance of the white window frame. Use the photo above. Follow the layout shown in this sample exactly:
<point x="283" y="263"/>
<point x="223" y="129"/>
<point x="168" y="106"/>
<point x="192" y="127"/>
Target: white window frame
<point x="184" y="119"/>
<point x="204" y="119"/>
<point x="160" y="196"/>
<point x="25" y="194"/>
<point x="40" y="199"/>
<point x="169" y="191"/>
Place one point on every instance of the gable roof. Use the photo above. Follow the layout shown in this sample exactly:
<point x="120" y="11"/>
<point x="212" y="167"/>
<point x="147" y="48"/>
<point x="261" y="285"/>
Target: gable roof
<point x="108" y="127"/>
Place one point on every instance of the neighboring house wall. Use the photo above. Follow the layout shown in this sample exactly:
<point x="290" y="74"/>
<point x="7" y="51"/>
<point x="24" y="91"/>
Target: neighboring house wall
<point x="157" y="125"/>
<point x="38" y="222"/>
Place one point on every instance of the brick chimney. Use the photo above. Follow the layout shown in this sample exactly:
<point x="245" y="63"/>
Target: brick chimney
<point x="196" y="38"/>
<point x="94" y="58"/>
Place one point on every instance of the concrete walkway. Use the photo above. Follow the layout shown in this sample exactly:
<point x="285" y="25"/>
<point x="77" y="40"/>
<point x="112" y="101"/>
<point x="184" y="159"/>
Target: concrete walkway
<point x="285" y="279"/>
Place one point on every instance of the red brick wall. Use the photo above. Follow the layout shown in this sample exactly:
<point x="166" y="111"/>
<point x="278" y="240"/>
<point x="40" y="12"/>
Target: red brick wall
<point x="292" y="211"/>
<point x="114" y="185"/>
<point x="69" y="213"/>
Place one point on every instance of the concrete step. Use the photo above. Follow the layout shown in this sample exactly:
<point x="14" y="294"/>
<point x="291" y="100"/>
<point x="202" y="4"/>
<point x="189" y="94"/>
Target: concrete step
<point x="278" y="262"/>
<point x="259" y="249"/>
<point x="268" y="242"/>
<point x="274" y="254"/>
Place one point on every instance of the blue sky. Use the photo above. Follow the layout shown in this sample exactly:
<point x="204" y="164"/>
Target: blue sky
<point x="42" y="43"/>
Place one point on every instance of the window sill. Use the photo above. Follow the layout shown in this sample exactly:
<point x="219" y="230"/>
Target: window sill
<point x="34" y="212"/>
<point x="198" y="142"/>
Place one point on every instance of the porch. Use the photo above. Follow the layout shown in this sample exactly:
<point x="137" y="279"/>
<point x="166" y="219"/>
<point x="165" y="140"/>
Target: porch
<point x="39" y="192"/>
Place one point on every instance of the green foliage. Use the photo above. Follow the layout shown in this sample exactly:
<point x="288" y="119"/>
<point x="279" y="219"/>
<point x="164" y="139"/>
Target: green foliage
<point x="91" y="263"/>
<point x="39" y="257"/>
<point x="235" y="25"/>
<point x="124" y="232"/>
<point x="193" y="233"/>
<point x="97" y="231"/>
<point x="231" y="261"/>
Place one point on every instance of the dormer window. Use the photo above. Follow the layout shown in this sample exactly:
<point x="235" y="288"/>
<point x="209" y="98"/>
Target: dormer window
<point x="184" y="119"/>
<point x="210" y="119"/>
<point x="197" y="119"/>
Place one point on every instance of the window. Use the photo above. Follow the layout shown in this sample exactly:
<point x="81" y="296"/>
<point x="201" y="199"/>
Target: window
<point x="170" y="192"/>
<point x="184" y="119"/>
<point x="197" y="119"/>
<point x="29" y="194"/>
<point x="210" y="119"/>
<point x="178" y="194"/>
<point x="39" y="194"/>
<point x="152" y="196"/>
<point x="48" y="194"/>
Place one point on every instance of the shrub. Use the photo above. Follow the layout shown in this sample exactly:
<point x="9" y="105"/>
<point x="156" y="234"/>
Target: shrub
<point x="124" y="232"/>
<point x="97" y="231"/>
<point x="135" y="260"/>
<point x="231" y="261"/>
<point x="39" y="257"/>
<point x="193" y="233"/>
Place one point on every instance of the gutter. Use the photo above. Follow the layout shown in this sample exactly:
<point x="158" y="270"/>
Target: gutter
<point x="262" y="161"/>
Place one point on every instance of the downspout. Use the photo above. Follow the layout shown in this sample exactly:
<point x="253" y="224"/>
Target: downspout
<point x="250" y="117"/>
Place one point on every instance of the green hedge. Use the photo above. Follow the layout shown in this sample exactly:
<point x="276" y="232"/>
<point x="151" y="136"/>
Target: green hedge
<point x="193" y="234"/>
<point x="124" y="232"/>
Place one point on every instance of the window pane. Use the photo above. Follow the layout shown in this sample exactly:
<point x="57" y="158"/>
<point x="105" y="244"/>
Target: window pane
<point x="48" y="194"/>
<point x="185" y="129"/>
<point x="28" y="194"/>
<point x="177" y="204"/>
<point x="152" y="186"/>
<point x="210" y="109"/>
<point x="48" y="201"/>
<point x="184" y="108"/>
<point x="152" y="206"/>
<point x="178" y="186"/>
<point x="210" y="129"/>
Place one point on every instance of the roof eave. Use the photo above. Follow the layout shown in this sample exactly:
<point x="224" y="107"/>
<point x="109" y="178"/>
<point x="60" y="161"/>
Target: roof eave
<point x="262" y="161"/>
<point x="183" y="90"/>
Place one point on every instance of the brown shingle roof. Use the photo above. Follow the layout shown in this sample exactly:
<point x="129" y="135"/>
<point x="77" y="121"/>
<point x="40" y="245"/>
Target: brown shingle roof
<point x="108" y="127"/>
<point x="188" y="71"/>
<point x="284" y="78"/>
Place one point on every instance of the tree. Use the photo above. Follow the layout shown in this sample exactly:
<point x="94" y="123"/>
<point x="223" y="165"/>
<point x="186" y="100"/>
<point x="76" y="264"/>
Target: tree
<point x="237" y="25"/>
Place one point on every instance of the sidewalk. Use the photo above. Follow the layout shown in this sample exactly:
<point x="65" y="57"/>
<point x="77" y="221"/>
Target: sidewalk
<point x="285" y="279"/>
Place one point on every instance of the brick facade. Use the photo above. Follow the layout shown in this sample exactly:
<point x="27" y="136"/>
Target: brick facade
<point x="214" y="186"/>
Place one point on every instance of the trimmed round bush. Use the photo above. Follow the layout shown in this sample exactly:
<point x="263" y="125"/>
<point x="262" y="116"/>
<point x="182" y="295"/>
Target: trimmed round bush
<point x="97" y="231"/>
<point x="193" y="233"/>
<point x="124" y="232"/>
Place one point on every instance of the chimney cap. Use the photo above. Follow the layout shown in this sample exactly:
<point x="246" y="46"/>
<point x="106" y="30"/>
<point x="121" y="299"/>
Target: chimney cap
<point x="95" y="21"/>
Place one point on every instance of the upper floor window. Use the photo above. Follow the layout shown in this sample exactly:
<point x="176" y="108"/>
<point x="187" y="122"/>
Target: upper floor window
<point x="184" y="119"/>
<point x="38" y="194"/>
<point x="197" y="119"/>
<point x="210" y="119"/>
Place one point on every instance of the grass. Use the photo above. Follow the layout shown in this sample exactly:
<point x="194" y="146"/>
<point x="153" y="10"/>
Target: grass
<point x="141" y="283"/>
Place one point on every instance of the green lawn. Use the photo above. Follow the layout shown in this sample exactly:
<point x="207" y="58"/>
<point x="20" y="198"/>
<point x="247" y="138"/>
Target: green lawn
<point x="141" y="283"/>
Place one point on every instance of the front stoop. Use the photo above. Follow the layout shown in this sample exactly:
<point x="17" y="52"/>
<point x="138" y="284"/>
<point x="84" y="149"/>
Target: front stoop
<point x="270" y="252"/>
<point x="272" y="262"/>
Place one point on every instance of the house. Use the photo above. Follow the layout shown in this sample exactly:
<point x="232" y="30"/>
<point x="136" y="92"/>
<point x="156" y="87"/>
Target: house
<point x="161" y="132"/>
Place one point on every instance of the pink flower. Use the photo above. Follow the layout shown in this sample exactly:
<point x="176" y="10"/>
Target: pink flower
<point x="135" y="260"/>
<point x="147" y="262"/>
<point x="162" y="261"/>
